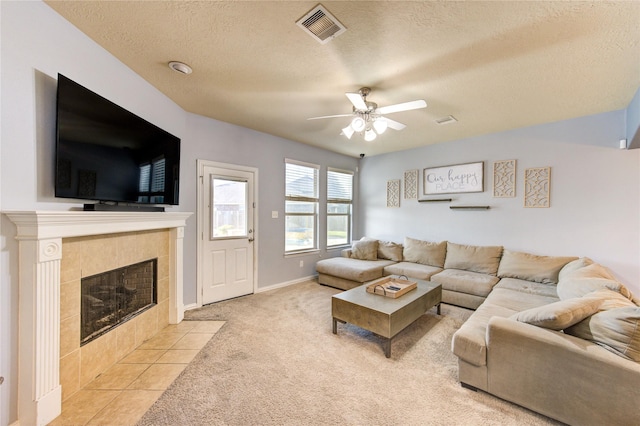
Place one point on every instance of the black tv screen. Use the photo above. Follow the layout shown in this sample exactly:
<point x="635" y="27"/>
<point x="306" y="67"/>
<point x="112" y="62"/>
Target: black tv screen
<point x="106" y="153"/>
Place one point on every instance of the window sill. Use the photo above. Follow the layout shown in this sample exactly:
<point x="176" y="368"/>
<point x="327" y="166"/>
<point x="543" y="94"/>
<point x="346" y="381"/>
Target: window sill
<point x="301" y="253"/>
<point x="340" y="247"/>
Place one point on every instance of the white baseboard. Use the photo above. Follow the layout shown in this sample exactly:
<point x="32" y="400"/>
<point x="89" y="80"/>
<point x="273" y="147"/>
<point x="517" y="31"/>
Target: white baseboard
<point x="260" y="290"/>
<point x="191" y="306"/>
<point x="286" y="283"/>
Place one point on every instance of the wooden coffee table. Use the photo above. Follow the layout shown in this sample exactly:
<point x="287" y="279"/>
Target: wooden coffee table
<point x="382" y="315"/>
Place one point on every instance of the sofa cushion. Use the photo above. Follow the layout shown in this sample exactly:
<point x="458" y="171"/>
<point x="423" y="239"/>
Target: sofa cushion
<point x="517" y="300"/>
<point x="352" y="269"/>
<point x="617" y="330"/>
<point x="465" y="281"/>
<point x="573" y="266"/>
<point x="588" y="279"/>
<point x="390" y="251"/>
<point x="413" y="270"/>
<point x="365" y="249"/>
<point x="482" y="259"/>
<point x="561" y="314"/>
<point x="469" y="342"/>
<point x="531" y="267"/>
<point x="528" y="287"/>
<point x="424" y="252"/>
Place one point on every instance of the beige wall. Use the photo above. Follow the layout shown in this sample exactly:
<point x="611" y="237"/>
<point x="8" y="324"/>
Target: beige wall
<point x="86" y="256"/>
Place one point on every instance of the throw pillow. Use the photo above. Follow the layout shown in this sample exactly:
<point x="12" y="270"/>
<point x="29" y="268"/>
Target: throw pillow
<point x="365" y="249"/>
<point x="531" y="267"/>
<point x="484" y="260"/>
<point x="559" y="315"/>
<point x="390" y="250"/>
<point x="573" y="266"/>
<point x="617" y="330"/>
<point x="588" y="279"/>
<point x="424" y="252"/>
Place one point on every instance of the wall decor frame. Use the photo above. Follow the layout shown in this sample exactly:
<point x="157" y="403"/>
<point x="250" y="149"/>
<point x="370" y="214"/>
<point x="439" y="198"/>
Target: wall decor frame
<point x="537" y="187"/>
<point x="504" y="179"/>
<point x="411" y="184"/>
<point x="393" y="193"/>
<point x="456" y="178"/>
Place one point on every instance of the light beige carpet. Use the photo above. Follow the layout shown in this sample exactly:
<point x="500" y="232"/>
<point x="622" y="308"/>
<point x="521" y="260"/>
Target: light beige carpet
<point x="276" y="362"/>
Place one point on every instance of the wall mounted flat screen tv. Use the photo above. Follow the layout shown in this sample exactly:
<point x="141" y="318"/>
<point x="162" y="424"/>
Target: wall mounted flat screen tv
<point x="105" y="153"/>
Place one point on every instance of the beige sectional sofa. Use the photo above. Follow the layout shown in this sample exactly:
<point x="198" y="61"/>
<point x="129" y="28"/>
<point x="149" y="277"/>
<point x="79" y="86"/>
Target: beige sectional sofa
<point x="558" y="335"/>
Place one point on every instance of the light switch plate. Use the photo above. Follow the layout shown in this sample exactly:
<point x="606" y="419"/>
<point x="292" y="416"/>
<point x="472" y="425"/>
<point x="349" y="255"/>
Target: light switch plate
<point x="274" y="214"/>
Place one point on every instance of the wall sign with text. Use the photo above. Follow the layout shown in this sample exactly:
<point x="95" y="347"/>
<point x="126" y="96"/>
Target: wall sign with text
<point x="456" y="178"/>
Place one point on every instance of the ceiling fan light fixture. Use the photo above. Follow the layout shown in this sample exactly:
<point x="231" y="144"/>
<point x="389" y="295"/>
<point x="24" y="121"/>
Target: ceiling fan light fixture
<point x="380" y="125"/>
<point x="348" y="132"/>
<point x="358" y="124"/>
<point x="369" y="135"/>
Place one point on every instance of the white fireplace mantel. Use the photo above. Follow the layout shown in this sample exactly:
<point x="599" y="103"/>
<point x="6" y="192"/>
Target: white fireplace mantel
<point x="40" y="235"/>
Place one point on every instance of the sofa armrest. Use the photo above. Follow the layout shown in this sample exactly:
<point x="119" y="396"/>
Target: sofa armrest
<point x="346" y="253"/>
<point x="564" y="377"/>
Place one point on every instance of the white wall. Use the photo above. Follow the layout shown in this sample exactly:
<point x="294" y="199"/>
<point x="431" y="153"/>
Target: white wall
<point x="37" y="44"/>
<point x="595" y="194"/>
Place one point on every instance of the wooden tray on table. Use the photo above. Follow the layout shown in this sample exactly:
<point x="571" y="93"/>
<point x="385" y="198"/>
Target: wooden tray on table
<point x="391" y="287"/>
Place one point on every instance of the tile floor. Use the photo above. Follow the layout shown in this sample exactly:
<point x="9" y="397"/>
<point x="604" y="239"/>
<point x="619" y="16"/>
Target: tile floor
<point x="122" y="394"/>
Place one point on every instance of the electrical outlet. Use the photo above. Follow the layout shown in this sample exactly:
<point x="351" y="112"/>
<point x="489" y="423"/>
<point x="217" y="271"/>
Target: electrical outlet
<point x="301" y="263"/>
<point x="274" y="214"/>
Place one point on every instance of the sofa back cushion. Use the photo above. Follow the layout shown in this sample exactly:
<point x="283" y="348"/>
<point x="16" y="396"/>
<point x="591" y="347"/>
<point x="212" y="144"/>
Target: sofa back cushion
<point x="483" y="259"/>
<point x="424" y="252"/>
<point x="365" y="249"/>
<point x="390" y="250"/>
<point x="617" y="330"/>
<point x="609" y="299"/>
<point x="574" y="266"/>
<point x="588" y="279"/>
<point x="531" y="267"/>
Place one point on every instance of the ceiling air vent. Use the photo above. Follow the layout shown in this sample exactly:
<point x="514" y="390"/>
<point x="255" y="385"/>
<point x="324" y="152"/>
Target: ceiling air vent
<point x="321" y="25"/>
<point x="446" y="120"/>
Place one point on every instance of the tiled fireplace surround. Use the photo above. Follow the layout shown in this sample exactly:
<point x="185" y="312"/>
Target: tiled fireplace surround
<point x="57" y="249"/>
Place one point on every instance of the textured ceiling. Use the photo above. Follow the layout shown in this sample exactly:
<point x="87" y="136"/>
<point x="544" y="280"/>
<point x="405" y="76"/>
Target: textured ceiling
<point x="493" y="65"/>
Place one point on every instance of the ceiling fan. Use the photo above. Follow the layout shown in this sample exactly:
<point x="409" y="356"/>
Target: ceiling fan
<point x="368" y="117"/>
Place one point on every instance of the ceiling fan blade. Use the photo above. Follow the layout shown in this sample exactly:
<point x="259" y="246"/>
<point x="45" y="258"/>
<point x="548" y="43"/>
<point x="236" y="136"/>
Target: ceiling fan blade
<point x="406" y="106"/>
<point x="330" y="116"/>
<point x="396" y="125"/>
<point x="357" y="101"/>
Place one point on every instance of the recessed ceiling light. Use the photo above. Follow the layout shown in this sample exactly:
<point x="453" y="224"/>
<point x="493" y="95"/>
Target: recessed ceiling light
<point x="180" y="67"/>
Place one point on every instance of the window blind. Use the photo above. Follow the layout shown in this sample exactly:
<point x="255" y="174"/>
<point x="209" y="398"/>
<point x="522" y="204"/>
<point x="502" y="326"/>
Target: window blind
<point x="339" y="186"/>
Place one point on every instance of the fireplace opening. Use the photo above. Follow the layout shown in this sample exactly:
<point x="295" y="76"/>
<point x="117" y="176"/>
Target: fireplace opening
<point x="114" y="297"/>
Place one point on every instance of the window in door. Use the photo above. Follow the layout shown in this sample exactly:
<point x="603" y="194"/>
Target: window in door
<point x="228" y="208"/>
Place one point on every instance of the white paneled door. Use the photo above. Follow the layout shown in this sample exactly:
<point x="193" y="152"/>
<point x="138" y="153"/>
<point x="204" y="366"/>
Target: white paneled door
<point x="226" y="222"/>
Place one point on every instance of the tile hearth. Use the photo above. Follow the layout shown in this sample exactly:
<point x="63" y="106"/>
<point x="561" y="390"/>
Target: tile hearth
<point x="123" y="393"/>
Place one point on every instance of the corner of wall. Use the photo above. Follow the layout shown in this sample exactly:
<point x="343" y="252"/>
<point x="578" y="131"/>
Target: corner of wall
<point x="632" y="118"/>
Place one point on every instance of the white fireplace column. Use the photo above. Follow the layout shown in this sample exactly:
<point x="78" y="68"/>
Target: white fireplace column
<point x="40" y="237"/>
<point x="39" y="316"/>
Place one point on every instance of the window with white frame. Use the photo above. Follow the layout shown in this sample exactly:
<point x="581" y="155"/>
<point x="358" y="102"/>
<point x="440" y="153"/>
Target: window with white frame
<point x="339" y="207"/>
<point x="301" y="206"/>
